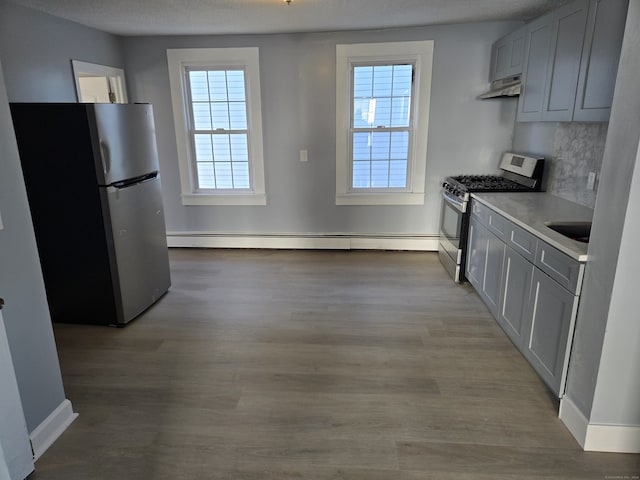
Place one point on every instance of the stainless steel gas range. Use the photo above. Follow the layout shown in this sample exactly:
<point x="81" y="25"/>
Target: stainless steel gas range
<point x="520" y="173"/>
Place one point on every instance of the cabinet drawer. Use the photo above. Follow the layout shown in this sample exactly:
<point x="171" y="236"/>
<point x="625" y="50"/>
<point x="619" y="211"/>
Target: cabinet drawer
<point x="522" y="242"/>
<point x="498" y="225"/>
<point x="495" y="223"/>
<point x="480" y="211"/>
<point x="563" y="269"/>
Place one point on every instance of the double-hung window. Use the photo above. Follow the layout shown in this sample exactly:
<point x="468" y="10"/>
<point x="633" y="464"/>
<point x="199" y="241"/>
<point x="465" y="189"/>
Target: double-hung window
<point x="216" y="102"/>
<point x="381" y="126"/>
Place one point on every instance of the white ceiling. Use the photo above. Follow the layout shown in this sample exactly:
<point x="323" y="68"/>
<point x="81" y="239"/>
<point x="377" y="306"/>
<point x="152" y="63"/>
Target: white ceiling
<point x="187" y="17"/>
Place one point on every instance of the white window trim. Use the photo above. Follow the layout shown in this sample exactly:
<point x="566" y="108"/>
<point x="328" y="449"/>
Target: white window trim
<point x="247" y="58"/>
<point x="420" y="53"/>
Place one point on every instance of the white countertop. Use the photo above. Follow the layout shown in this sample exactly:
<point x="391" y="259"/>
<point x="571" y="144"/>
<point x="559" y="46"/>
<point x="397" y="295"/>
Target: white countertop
<point x="531" y="210"/>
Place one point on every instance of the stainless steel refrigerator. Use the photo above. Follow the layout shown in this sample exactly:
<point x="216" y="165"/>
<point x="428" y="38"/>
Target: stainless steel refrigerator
<point x="91" y="172"/>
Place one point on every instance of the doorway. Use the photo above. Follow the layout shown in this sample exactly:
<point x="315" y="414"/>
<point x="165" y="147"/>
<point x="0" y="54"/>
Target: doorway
<point x="99" y="83"/>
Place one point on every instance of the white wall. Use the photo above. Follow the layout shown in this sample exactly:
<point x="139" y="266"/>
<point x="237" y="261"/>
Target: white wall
<point x="298" y="99"/>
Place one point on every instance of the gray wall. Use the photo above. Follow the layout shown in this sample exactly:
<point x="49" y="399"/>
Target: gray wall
<point x="571" y="150"/>
<point x="298" y="101"/>
<point x="35" y="51"/>
<point x="608" y="307"/>
<point x="26" y="313"/>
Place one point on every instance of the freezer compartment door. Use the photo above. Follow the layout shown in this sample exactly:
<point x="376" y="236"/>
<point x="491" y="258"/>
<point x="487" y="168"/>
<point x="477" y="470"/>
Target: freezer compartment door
<point x="140" y="245"/>
<point x="126" y="141"/>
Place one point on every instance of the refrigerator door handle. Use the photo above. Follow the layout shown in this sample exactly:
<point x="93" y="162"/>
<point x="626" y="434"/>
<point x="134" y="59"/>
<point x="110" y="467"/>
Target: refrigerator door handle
<point x="134" y="181"/>
<point x="104" y="154"/>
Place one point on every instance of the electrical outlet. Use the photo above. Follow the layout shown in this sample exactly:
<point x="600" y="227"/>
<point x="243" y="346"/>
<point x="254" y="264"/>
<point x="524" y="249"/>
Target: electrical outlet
<point x="591" y="181"/>
<point x="304" y="157"/>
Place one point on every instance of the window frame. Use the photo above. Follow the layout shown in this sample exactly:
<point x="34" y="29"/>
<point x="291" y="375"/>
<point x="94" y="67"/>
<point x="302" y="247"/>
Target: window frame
<point x="420" y="55"/>
<point x="180" y="61"/>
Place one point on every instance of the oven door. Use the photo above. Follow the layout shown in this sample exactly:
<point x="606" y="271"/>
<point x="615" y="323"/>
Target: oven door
<point x="453" y="224"/>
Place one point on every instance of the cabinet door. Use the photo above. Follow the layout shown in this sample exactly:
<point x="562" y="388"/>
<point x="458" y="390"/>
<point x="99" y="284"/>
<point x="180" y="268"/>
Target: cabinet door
<point x="476" y="253"/>
<point x="492" y="278"/>
<point x="552" y="311"/>
<point x="507" y="55"/>
<point x="485" y="255"/>
<point x="569" y="24"/>
<point x="534" y="72"/>
<point x="600" y="56"/>
<point x="514" y="300"/>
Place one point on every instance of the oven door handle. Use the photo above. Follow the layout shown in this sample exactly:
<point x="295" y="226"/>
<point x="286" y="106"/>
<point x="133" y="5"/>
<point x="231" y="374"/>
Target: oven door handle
<point x="454" y="201"/>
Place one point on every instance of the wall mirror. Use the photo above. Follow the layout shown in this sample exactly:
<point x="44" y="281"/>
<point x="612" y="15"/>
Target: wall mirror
<point x="99" y="83"/>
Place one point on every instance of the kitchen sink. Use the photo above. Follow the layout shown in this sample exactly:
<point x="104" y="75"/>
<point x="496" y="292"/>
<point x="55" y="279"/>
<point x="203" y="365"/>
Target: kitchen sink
<point x="579" y="231"/>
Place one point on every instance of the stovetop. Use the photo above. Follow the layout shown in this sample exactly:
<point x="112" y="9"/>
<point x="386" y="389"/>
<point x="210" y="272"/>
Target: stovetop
<point x="486" y="183"/>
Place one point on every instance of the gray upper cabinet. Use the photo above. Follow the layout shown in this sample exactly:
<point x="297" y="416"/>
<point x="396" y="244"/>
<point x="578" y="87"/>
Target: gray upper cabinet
<point x="600" y="57"/>
<point x="552" y="64"/>
<point x="534" y="71"/>
<point x="570" y="62"/>
<point x="568" y="27"/>
<point x="507" y="55"/>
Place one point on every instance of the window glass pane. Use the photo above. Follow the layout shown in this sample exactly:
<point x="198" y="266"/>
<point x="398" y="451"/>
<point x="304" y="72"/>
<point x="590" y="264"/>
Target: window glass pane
<point x="237" y="116"/>
<point x="198" y="85"/>
<point x="379" y="174"/>
<point x="220" y="115"/>
<point x="382" y="80"/>
<point x="221" y="148"/>
<point x="206" y="177"/>
<point x="402" y="76"/>
<point x="235" y="85"/>
<point x="399" y="149"/>
<point x="224" y="177"/>
<point x="382" y="112"/>
<point x="361" y="146"/>
<point x="398" y="174"/>
<point x="361" y="175"/>
<point x="241" y="175"/>
<point x="217" y="86"/>
<point x="201" y="116"/>
<point x="363" y="82"/>
<point x="203" y="148"/>
<point x="380" y="144"/>
<point x="238" y="147"/>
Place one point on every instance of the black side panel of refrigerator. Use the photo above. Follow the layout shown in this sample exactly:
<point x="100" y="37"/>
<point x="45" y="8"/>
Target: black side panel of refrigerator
<point x="67" y="209"/>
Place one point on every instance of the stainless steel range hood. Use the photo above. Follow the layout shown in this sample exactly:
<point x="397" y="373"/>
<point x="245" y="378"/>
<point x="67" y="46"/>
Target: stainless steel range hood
<point x="505" y="87"/>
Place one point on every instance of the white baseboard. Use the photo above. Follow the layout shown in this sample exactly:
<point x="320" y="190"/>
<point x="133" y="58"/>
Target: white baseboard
<point x="323" y="241"/>
<point x="51" y="428"/>
<point x="597" y="437"/>
<point x="573" y="419"/>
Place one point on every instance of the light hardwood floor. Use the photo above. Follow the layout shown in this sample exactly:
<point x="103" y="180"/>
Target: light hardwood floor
<point x="265" y="365"/>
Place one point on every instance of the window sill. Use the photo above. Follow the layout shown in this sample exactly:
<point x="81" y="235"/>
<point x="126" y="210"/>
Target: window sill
<point x="257" y="199"/>
<point x="380" y="199"/>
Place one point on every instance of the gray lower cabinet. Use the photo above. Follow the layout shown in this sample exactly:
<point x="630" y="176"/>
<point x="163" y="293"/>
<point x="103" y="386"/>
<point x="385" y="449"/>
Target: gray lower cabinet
<point x="514" y="299"/>
<point x="530" y="288"/>
<point x="552" y="312"/>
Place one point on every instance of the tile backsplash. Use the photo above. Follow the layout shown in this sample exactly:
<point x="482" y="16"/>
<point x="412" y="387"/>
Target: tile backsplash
<point x="577" y="150"/>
